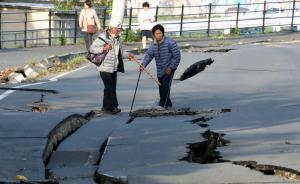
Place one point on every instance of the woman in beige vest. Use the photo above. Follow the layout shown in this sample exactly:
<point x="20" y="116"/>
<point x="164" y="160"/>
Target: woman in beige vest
<point x="88" y="16"/>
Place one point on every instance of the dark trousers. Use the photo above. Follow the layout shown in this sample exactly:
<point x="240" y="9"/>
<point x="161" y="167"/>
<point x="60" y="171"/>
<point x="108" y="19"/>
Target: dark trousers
<point x="164" y="90"/>
<point x="110" y="85"/>
<point x="88" y="38"/>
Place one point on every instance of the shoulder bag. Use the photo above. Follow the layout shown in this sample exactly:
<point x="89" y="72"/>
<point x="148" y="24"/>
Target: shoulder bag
<point x="97" y="59"/>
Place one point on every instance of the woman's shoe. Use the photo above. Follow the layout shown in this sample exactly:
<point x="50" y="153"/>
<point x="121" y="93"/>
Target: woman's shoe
<point x="115" y="110"/>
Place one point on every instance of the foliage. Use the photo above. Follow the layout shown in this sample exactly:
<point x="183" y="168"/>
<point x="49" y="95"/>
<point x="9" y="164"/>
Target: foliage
<point x="103" y="2"/>
<point x="32" y="62"/>
<point x="71" y="64"/>
<point x="221" y="37"/>
<point x="131" y="36"/>
<point x="269" y="29"/>
<point x="235" y="31"/>
<point x="65" y="4"/>
<point x="19" y="46"/>
<point x="62" y="40"/>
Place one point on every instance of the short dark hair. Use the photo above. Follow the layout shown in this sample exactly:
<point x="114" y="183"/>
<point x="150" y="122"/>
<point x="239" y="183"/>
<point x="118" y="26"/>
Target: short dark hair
<point x="158" y="27"/>
<point x="146" y="4"/>
<point x="88" y="2"/>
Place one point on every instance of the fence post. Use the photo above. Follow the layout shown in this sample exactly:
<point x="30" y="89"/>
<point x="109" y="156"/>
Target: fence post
<point x="130" y="18"/>
<point x="293" y="15"/>
<point x="264" y="17"/>
<point x="25" y="29"/>
<point x="237" y="16"/>
<point x="156" y="13"/>
<point x="181" y="19"/>
<point x="50" y="34"/>
<point x="209" y="17"/>
<point x="75" y="23"/>
<point x="0" y="30"/>
<point x="104" y="18"/>
<point x="129" y="26"/>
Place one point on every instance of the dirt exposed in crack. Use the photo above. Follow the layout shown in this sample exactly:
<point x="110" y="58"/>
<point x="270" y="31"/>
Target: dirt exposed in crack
<point x="65" y="128"/>
<point x="168" y="112"/>
<point x="40" y="106"/>
<point x="205" y="114"/>
<point x="156" y="113"/>
<point x="205" y="152"/>
<point x="287" y="173"/>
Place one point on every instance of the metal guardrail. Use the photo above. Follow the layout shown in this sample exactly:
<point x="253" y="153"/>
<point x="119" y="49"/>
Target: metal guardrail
<point x="22" y="29"/>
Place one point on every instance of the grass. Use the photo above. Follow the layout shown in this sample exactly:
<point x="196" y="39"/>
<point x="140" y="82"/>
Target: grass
<point x="269" y="29"/>
<point x="32" y="62"/>
<point x="69" y="65"/>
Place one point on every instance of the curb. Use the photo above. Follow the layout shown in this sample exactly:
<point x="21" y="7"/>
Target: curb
<point x="30" y="72"/>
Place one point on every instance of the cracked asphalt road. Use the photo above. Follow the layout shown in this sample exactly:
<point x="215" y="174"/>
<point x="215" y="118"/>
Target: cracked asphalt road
<point x="258" y="82"/>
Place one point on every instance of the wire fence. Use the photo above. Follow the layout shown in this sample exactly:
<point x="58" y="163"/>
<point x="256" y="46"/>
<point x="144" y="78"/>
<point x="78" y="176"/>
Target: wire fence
<point x="31" y="28"/>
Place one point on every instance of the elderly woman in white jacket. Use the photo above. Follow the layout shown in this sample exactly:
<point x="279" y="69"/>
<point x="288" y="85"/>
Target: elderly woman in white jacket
<point x="109" y="41"/>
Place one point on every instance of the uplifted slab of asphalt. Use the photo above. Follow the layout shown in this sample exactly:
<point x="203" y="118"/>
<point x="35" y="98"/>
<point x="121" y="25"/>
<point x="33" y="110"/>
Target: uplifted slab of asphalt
<point x="147" y="142"/>
<point x="149" y="151"/>
<point x="78" y="156"/>
<point x="23" y="139"/>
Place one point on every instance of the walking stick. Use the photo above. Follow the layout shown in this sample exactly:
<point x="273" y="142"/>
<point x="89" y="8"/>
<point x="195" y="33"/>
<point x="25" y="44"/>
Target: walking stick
<point x="146" y="71"/>
<point x="137" y="84"/>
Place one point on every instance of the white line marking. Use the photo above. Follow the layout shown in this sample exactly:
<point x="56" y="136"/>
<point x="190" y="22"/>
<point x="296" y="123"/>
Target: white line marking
<point x="9" y="92"/>
<point x="5" y="94"/>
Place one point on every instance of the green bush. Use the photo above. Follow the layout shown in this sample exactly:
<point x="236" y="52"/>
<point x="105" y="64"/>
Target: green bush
<point x="131" y="36"/>
<point x="62" y="40"/>
<point x="235" y="31"/>
<point x="65" y="4"/>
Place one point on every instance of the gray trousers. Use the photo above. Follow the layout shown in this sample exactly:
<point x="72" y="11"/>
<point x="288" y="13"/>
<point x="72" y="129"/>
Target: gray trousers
<point x="88" y="38"/>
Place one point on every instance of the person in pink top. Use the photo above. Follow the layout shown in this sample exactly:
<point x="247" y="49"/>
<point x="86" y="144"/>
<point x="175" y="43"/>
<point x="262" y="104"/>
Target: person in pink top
<point x="88" y="16"/>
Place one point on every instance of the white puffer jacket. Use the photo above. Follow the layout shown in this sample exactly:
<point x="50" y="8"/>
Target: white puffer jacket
<point x="113" y="60"/>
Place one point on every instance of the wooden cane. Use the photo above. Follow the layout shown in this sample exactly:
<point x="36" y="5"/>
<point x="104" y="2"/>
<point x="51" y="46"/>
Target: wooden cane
<point x="146" y="71"/>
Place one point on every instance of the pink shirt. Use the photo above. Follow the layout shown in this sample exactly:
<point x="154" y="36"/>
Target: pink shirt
<point x="88" y="17"/>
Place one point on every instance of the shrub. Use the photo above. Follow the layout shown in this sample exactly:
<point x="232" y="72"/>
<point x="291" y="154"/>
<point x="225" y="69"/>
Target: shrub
<point x="234" y="31"/>
<point x="131" y="36"/>
<point x="62" y="40"/>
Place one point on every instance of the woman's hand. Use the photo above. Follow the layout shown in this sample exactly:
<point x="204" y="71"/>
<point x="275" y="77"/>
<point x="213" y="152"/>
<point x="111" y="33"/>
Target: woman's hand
<point x="168" y="70"/>
<point x="107" y="47"/>
<point x="142" y="67"/>
<point x="130" y="56"/>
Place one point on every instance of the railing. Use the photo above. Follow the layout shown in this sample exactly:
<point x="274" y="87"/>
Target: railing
<point x="51" y="27"/>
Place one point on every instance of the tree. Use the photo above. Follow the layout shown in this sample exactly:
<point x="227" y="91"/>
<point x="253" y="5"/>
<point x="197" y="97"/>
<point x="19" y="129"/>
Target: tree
<point x="71" y="4"/>
<point x="107" y="3"/>
<point x="65" y="4"/>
